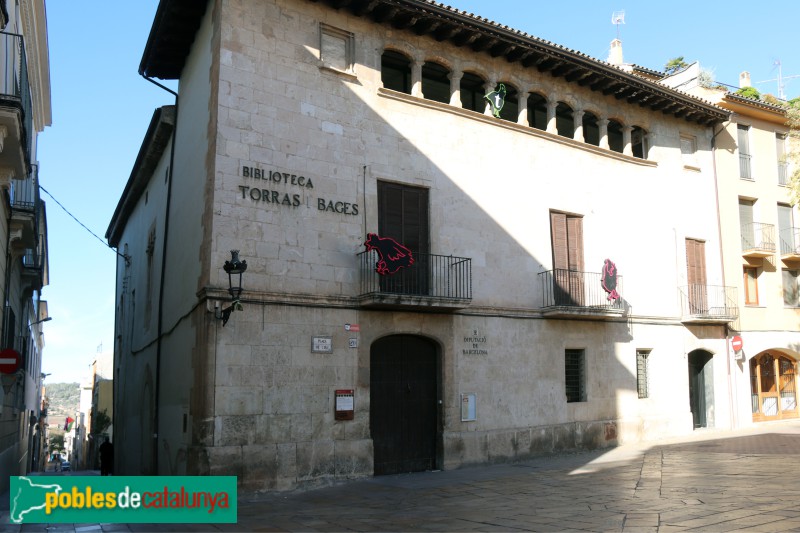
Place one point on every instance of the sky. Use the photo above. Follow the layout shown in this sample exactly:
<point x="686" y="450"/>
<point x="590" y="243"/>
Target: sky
<point x="102" y="107"/>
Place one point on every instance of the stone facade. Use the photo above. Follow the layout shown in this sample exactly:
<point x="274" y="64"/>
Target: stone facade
<point x="280" y="151"/>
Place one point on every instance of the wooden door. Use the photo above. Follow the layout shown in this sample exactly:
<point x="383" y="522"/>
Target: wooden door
<point x="567" y="242"/>
<point x="773" y="383"/>
<point x="403" y="216"/>
<point x="696" y="276"/>
<point x="403" y="404"/>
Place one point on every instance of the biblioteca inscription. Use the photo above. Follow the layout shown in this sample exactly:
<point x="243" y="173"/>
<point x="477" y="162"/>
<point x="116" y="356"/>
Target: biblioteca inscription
<point x="264" y="191"/>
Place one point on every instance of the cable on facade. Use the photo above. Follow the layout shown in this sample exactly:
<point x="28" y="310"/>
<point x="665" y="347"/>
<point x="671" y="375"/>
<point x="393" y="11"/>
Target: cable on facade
<point x="125" y="257"/>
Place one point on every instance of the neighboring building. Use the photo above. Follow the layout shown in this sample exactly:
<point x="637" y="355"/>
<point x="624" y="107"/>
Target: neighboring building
<point x="24" y="113"/>
<point x="82" y="459"/>
<point x="302" y="132"/>
<point x="761" y="248"/>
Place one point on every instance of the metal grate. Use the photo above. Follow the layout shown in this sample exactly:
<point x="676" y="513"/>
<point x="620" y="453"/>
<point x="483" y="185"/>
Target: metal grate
<point x="575" y="375"/>
<point x="642" y="367"/>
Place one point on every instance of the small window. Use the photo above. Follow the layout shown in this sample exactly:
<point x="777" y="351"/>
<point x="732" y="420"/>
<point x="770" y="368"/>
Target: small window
<point x="689" y="151"/>
<point x="615" y="136"/>
<point x="565" y="120"/>
<point x="472" y="91"/>
<point x="537" y="111"/>
<point x="435" y="82"/>
<point x="591" y="130"/>
<point x="396" y="71"/>
<point x="639" y="142"/>
<point x="642" y="372"/>
<point x="791" y="295"/>
<point x="336" y="48"/>
<point x="750" y="286"/>
<point x="575" y="375"/>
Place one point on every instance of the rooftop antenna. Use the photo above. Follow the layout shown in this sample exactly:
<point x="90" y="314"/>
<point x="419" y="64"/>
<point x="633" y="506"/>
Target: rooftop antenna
<point x="617" y="18"/>
<point x="779" y="79"/>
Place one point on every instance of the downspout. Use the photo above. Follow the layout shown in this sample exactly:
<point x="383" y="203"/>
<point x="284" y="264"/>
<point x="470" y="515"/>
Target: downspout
<point x="159" y="329"/>
<point x="733" y="406"/>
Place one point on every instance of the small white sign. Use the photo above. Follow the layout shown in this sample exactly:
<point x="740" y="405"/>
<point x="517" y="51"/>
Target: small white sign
<point x="354" y="343"/>
<point x="321" y="345"/>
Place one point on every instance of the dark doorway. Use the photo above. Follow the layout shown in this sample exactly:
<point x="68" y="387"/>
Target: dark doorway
<point x="403" y="404"/>
<point x="701" y="388"/>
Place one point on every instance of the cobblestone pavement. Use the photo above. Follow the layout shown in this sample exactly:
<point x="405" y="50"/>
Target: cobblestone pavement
<point x="744" y="480"/>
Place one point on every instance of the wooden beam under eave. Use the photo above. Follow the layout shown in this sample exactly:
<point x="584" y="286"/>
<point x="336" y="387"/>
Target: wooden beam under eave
<point x="548" y="64"/>
<point x="466" y="38"/>
<point x="481" y="44"/>
<point x="406" y="20"/>
<point x="577" y="74"/>
<point x="501" y="49"/>
<point x="427" y="26"/>
<point x="365" y="8"/>
<point x="444" y="33"/>
<point x="532" y="59"/>
<point x="612" y="88"/>
<point x="385" y="13"/>
<point x="593" y="77"/>
<point x="517" y="54"/>
<point x="602" y="84"/>
<point x="338" y="4"/>
<point x="625" y="92"/>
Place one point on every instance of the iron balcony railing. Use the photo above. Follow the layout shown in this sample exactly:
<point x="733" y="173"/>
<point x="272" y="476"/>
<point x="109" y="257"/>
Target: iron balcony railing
<point x="435" y="276"/>
<point x="34" y="257"/>
<point x="758" y="237"/>
<point x="24" y="194"/>
<point x="14" y="87"/>
<point x="744" y="167"/>
<point x="790" y="241"/>
<point x="709" y="301"/>
<point x="783" y="173"/>
<point x="572" y="288"/>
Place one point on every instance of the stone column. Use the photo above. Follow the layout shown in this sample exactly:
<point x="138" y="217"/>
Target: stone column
<point x="455" y="88"/>
<point x="522" y="103"/>
<point x="577" y="118"/>
<point x="603" y="125"/>
<point x="416" y="78"/>
<point x="489" y="87"/>
<point x="552" y="103"/>
<point x="627" y="147"/>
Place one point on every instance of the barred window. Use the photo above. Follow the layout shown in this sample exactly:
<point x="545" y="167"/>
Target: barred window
<point x="575" y="375"/>
<point x="642" y="372"/>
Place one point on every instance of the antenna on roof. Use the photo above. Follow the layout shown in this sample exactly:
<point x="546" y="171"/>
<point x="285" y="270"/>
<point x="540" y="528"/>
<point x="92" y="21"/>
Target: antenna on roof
<point x="779" y="79"/>
<point x="617" y="18"/>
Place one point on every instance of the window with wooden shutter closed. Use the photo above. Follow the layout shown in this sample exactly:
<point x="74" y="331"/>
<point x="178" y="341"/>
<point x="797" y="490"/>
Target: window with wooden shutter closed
<point x="696" y="276"/>
<point x="567" y="241"/>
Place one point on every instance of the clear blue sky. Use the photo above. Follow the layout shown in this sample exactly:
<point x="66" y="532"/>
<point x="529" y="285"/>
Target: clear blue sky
<point x="101" y="109"/>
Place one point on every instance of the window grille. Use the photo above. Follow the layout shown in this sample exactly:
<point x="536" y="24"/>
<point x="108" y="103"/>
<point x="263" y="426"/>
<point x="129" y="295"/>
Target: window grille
<point x="642" y="367"/>
<point x="575" y="375"/>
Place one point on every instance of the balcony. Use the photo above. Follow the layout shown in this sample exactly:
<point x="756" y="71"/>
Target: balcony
<point x="434" y="282"/>
<point x="790" y="244"/>
<point x="25" y="205"/>
<point x="33" y="265"/>
<point x="573" y="294"/>
<point x="758" y="240"/>
<point x="708" y="304"/>
<point x="16" y="125"/>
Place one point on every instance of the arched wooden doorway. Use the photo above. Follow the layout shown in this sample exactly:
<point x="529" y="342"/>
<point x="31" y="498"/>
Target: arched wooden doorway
<point x="773" y="387"/>
<point x="404" y="393"/>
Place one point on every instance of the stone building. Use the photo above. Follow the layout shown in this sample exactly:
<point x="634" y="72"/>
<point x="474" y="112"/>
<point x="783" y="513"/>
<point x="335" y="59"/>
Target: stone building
<point x="24" y="113"/>
<point x="434" y="278"/>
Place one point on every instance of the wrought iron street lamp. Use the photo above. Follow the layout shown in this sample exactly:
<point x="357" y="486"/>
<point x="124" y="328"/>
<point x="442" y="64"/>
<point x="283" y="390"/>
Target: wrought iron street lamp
<point x="235" y="268"/>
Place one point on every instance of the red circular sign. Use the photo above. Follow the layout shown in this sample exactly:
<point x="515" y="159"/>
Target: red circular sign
<point x="9" y="361"/>
<point x="736" y="343"/>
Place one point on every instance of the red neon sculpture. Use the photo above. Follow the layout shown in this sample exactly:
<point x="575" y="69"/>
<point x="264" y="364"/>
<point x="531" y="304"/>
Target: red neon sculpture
<point x="610" y="279"/>
<point x="392" y="256"/>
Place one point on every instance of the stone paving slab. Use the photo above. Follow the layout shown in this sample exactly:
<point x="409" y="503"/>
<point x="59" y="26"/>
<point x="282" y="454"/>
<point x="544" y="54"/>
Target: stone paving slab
<point x="710" y="481"/>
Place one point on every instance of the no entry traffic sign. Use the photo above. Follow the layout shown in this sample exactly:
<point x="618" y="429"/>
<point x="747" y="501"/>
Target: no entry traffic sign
<point x="736" y="343"/>
<point x="9" y="361"/>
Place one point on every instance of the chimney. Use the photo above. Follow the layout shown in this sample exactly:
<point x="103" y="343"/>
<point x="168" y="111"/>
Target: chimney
<point x="615" y="53"/>
<point x="744" y="79"/>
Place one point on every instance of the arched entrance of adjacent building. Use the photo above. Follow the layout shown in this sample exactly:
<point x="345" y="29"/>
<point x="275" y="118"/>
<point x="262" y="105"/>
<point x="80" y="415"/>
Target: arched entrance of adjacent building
<point x="701" y="388"/>
<point x="404" y="394"/>
<point x="773" y="386"/>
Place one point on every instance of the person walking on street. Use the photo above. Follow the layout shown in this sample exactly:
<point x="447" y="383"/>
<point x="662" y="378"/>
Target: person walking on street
<point x="106" y="458"/>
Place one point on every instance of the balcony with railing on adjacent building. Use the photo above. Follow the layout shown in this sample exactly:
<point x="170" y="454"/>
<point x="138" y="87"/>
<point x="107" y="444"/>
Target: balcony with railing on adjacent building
<point x="33" y="264"/>
<point x="438" y="282"/>
<point x="790" y="244"/>
<point x="708" y="304"/>
<point x="758" y="240"/>
<point x="16" y="124"/>
<point x="25" y="204"/>
<point x="571" y="293"/>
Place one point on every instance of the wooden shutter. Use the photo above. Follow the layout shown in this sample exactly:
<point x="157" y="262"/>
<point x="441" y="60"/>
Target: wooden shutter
<point x="558" y="229"/>
<point x="575" y="242"/>
<point x="696" y="261"/>
<point x="746" y="224"/>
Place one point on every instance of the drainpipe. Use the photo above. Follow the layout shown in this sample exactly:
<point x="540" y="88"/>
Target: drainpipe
<point x="159" y="330"/>
<point x="731" y="392"/>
